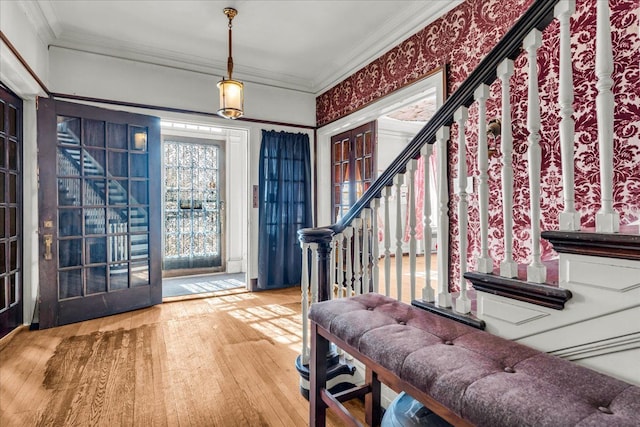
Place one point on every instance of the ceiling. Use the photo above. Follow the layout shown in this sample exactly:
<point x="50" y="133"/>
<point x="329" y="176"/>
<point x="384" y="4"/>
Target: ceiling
<point x="304" y="45"/>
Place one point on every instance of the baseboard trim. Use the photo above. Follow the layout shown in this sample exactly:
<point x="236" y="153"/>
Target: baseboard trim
<point x="4" y="341"/>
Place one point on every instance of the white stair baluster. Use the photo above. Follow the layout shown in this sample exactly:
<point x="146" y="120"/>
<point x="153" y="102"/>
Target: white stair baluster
<point x="314" y="272"/>
<point x="304" y="289"/>
<point x="444" y="296"/>
<point x="366" y="235"/>
<point x="398" y="181"/>
<point x="569" y="219"/>
<point x="484" y="261"/>
<point x="340" y="289"/>
<point x="357" y="255"/>
<point x="536" y="271"/>
<point x="463" y="303"/>
<point x="387" y="242"/>
<point x="508" y="267"/>
<point x="348" y="234"/>
<point x="332" y="268"/>
<point x="375" y="248"/>
<point x="607" y="219"/>
<point x="427" y="291"/>
<point x="411" y="195"/>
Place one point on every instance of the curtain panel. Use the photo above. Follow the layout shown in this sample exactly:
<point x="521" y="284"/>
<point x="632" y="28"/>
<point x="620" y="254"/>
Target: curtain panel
<point x="285" y="206"/>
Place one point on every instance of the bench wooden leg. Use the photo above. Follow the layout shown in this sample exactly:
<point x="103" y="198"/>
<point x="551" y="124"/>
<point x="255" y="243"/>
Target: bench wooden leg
<point x="373" y="410"/>
<point x="318" y="378"/>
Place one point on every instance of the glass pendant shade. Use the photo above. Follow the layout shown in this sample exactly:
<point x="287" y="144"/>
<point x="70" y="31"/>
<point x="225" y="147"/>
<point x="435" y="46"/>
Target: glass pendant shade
<point x="231" y="98"/>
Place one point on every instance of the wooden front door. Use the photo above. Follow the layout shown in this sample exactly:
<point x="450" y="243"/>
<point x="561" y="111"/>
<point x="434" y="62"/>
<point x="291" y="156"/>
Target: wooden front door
<point x="10" y="211"/>
<point x="99" y="213"/>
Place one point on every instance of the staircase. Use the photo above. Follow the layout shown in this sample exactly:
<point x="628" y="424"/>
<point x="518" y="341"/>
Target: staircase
<point x="74" y="162"/>
<point x="582" y="302"/>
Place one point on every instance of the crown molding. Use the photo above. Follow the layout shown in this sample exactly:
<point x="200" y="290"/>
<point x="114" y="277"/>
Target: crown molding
<point x="396" y="30"/>
<point x="43" y="18"/>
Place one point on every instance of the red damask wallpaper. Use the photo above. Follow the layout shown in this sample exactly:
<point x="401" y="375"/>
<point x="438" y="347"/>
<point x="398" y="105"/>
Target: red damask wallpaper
<point x="460" y="39"/>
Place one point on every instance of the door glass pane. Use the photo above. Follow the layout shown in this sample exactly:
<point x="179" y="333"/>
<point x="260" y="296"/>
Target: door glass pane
<point x="139" y="273"/>
<point x="116" y="135"/>
<point x="68" y="130"/>
<point x="13" y="255"/>
<point x="93" y="133"/>
<point x="96" y="279"/>
<point x="3" y="294"/>
<point x="139" y="246"/>
<point x="118" y="164"/>
<point x="139" y="165"/>
<point x="94" y="162"/>
<point x="3" y="258"/>
<point x="70" y="253"/>
<point x="139" y="193"/>
<point x="69" y="222"/>
<point x="119" y="276"/>
<point x="69" y="161"/>
<point x="3" y="143"/>
<point x="13" y="288"/>
<point x="13" y="188"/>
<point x="138" y="139"/>
<point x="69" y="192"/>
<point x="13" y="222"/>
<point x="13" y="121"/>
<point x="118" y="192"/>
<point x="2" y="110"/>
<point x="94" y="221"/>
<point x="70" y="283"/>
<point x="96" y="248"/>
<point x="13" y="155"/>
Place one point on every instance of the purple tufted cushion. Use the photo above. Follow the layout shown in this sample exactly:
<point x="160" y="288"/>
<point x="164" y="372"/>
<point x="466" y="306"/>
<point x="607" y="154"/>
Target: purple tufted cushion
<point x="488" y="380"/>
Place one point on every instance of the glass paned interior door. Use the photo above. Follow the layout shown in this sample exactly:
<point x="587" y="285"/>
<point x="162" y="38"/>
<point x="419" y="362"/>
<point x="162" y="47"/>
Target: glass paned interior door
<point x="193" y="205"/>
<point x="10" y="212"/>
<point x="103" y="207"/>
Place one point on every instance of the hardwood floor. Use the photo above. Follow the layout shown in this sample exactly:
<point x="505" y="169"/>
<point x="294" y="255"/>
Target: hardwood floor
<point x="223" y="361"/>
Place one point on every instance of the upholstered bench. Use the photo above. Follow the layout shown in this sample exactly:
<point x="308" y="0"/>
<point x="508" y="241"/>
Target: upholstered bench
<point x="465" y="375"/>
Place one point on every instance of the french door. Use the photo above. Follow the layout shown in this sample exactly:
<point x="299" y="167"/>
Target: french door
<point x="353" y="163"/>
<point x="99" y="213"/>
<point x="194" y="202"/>
<point x="10" y="212"/>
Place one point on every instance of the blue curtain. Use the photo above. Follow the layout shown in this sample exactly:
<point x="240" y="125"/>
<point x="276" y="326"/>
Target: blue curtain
<point x="284" y="207"/>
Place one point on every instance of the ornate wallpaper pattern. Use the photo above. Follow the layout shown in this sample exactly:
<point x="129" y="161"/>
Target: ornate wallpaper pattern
<point x="460" y="39"/>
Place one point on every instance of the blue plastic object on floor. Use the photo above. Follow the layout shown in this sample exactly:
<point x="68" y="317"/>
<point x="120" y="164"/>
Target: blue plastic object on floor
<point x="405" y="411"/>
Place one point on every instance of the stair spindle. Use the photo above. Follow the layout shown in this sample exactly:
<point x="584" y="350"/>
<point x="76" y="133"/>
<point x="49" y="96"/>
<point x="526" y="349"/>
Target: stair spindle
<point x="484" y="262"/>
<point x="375" y="247"/>
<point x="607" y="220"/>
<point x="411" y="195"/>
<point x="357" y="256"/>
<point x="398" y="181"/>
<point x="569" y="219"/>
<point x="536" y="271"/>
<point x="348" y="234"/>
<point x="444" y="296"/>
<point x="387" y="242"/>
<point x="463" y="303"/>
<point x="508" y="267"/>
<point x="427" y="291"/>
<point x="366" y="235"/>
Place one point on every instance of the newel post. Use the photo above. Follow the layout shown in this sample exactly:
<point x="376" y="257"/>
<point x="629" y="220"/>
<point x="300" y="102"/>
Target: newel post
<point x="323" y="238"/>
<point x="339" y="374"/>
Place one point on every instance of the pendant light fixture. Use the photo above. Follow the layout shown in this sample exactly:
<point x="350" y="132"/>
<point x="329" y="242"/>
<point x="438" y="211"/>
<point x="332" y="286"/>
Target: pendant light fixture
<point x="231" y="91"/>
